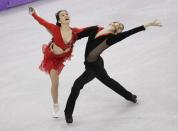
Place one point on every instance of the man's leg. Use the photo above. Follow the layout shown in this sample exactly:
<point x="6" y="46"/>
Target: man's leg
<point x="115" y="86"/>
<point x="86" y="77"/>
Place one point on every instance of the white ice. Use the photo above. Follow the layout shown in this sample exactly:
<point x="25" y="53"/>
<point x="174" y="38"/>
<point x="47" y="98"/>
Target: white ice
<point x="146" y="64"/>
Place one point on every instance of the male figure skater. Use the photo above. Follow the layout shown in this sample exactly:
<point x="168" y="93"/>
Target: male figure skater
<point x="100" y="39"/>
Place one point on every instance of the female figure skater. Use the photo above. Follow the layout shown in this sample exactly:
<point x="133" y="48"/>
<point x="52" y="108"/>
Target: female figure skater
<point x="99" y="40"/>
<point x="59" y="48"/>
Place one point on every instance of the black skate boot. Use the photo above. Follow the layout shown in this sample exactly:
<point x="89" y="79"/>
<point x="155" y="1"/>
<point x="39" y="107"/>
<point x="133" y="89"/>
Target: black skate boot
<point x="133" y="99"/>
<point x="68" y="118"/>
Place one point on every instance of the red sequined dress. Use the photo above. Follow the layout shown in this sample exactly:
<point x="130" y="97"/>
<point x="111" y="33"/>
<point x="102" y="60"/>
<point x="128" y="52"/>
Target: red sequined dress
<point x="51" y="60"/>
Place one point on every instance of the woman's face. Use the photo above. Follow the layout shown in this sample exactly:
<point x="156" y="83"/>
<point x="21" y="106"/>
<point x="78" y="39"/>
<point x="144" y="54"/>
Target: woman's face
<point x="64" y="17"/>
<point x="119" y="27"/>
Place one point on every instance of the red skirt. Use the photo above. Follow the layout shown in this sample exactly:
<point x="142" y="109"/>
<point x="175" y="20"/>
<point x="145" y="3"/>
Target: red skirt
<point x="53" y="61"/>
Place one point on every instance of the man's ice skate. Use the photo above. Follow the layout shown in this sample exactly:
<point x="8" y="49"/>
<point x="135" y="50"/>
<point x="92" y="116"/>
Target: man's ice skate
<point x="68" y="118"/>
<point x="133" y="99"/>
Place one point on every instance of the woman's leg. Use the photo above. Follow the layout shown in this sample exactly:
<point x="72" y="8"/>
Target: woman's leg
<point x="54" y="85"/>
<point x="54" y="91"/>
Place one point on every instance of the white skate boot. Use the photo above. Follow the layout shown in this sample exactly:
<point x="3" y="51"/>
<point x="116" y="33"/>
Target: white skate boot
<point x="55" y="111"/>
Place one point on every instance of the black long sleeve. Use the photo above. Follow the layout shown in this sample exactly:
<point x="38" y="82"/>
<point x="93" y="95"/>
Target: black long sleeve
<point x="120" y="36"/>
<point x="86" y="31"/>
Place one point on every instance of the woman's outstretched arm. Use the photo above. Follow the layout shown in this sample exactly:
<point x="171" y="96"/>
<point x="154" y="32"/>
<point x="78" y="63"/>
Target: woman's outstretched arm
<point x="47" y="25"/>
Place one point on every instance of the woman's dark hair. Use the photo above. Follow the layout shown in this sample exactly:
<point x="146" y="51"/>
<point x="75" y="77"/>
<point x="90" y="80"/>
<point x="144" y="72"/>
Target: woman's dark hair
<point x="57" y="17"/>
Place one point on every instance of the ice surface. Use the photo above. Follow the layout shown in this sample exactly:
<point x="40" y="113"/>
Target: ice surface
<point x="145" y="64"/>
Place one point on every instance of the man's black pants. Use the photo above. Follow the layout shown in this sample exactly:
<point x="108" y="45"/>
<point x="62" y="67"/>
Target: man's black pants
<point x="94" y="69"/>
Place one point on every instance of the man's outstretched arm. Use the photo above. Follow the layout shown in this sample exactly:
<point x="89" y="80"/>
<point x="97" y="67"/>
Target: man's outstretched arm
<point x="120" y="36"/>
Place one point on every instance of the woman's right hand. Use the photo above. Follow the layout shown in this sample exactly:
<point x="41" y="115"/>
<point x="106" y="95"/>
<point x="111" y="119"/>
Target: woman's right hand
<point x="67" y="50"/>
<point x="31" y="10"/>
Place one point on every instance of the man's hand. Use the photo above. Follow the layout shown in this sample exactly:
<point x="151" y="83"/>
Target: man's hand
<point x="153" y="23"/>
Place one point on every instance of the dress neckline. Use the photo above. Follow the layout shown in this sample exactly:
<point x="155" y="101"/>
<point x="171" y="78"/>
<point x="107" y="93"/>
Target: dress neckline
<point x="64" y="43"/>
